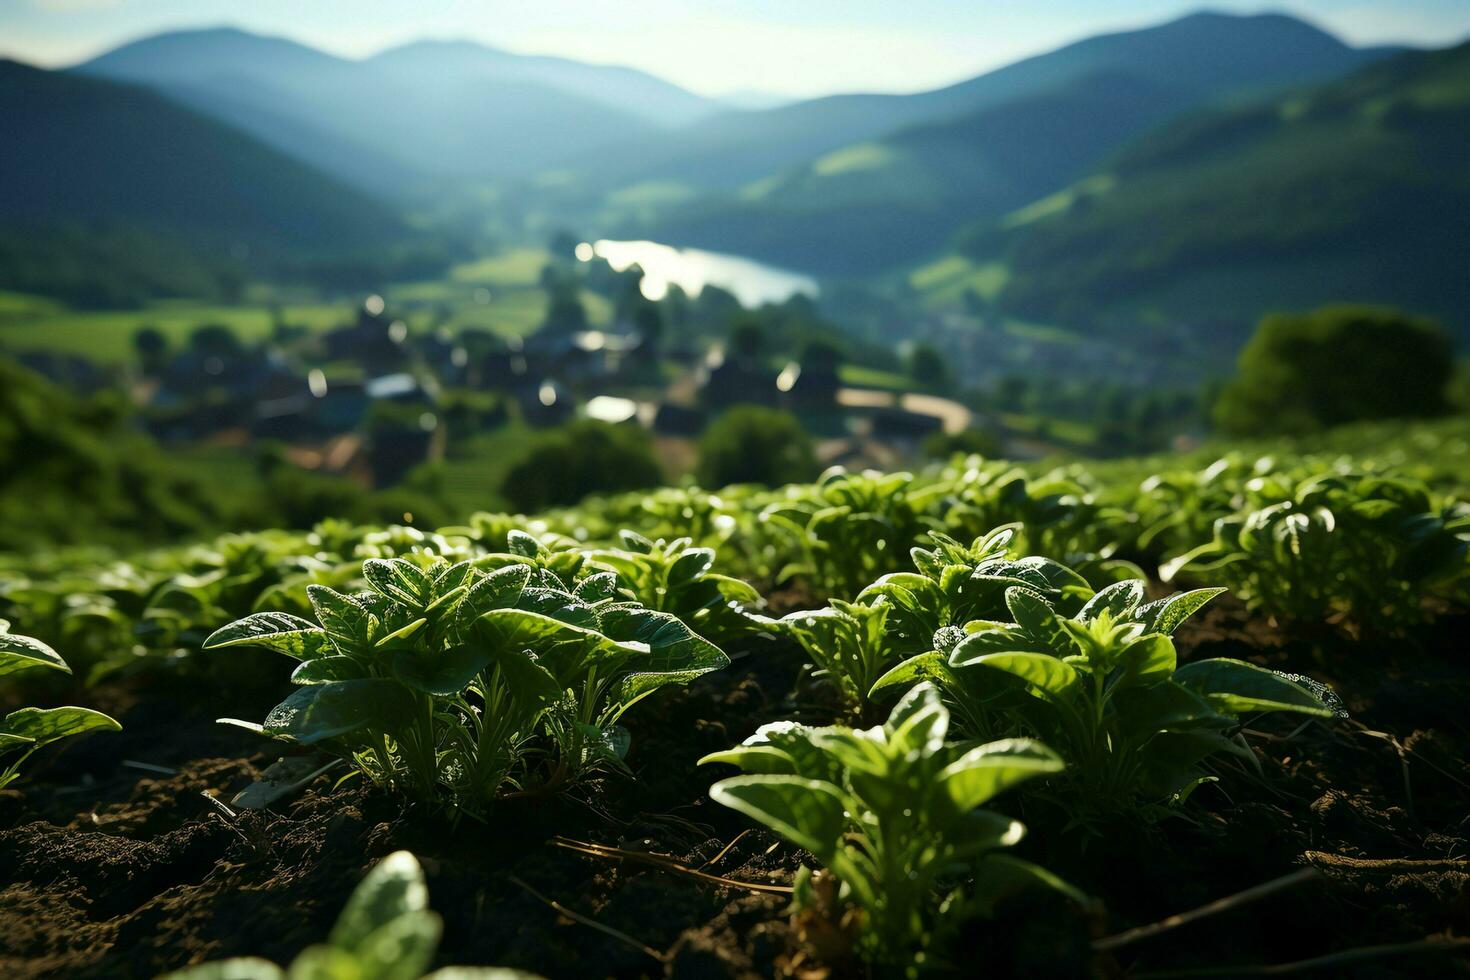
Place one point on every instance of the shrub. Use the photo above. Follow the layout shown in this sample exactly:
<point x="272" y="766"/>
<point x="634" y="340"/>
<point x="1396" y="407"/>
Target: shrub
<point x="1339" y="364"/>
<point x="752" y="444"/>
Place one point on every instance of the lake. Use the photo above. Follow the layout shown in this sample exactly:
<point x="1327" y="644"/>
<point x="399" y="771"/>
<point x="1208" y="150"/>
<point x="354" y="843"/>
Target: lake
<point x="691" y="269"/>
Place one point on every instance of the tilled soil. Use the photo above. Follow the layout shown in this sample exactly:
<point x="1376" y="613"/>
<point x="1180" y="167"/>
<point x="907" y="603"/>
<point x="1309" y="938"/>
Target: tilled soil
<point x="111" y="870"/>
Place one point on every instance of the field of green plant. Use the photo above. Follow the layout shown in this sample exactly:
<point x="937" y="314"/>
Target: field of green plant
<point x="1097" y="720"/>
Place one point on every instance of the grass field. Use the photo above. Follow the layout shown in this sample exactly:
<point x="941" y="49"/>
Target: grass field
<point x="107" y="336"/>
<point x="501" y="293"/>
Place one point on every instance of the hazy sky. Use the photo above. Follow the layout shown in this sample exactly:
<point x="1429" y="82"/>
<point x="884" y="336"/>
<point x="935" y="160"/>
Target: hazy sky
<point x="795" y="47"/>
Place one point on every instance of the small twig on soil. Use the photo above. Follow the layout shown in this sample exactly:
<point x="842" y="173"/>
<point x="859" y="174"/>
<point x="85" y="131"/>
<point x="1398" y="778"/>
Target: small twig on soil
<point x="1332" y="960"/>
<point x="665" y="863"/>
<point x="723" y="851"/>
<point x="1342" y="862"/>
<point x="150" y="767"/>
<point x="1214" y="908"/>
<point x="621" y="937"/>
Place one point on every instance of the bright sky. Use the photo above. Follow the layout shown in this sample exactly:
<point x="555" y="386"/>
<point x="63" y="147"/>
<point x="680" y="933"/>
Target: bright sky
<point x="792" y="47"/>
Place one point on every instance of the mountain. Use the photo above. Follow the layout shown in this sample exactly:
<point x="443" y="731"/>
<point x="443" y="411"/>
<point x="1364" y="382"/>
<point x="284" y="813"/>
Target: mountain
<point x="1353" y="191"/>
<point x="754" y="99"/>
<point x="626" y="89"/>
<point x="871" y="206"/>
<point x="89" y="162"/>
<point x="416" y="114"/>
<point x="1201" y="56"/>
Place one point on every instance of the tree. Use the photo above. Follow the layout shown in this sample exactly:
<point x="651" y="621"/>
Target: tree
<point x="747" y="339"/>
<point x="1309" y="371"/>
<point x="927" y="367"/>
<point x="564" y="312"/>
<point x="151" y="345"/>
<point x="649" y="322"/>
<point x="753" y="444"/>
<point x="585" y="457"/>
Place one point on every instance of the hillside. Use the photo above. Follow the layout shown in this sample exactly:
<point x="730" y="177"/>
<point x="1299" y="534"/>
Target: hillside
<point x="871" y="206"/>
<point x="98" y="169"/>
<point x="415" y="113"/>
<point x="1353" y="191"/>
<point x="1199" y="56"/>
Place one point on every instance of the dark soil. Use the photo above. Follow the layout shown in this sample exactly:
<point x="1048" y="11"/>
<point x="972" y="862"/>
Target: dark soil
<point x="111" y="870"/>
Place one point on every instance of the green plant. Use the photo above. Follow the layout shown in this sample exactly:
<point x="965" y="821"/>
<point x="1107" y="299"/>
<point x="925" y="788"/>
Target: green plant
<point x="1368" y="549"/>
<point x="450" y="683"/>
<point x="675" y="577"/>
<point x="1338" y="364"/>
<point x="1057" y="514"/>
<point x="955" y="584"/>
<point x="893" y="812"/>
<point x="754" y="444"/>
<point x="849" y="645"/>
<point x="26" y="730"/>
<point x="1104" y="688"/>
<point x="847" y="529"/>
<point x="385" y="932"/>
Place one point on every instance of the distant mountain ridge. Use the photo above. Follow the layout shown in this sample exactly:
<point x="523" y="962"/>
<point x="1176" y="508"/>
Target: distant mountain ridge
<point x="1205" y="53"/>
<point x="421" y="112"/>
<point x="987" y="145"/>
<point x="1357" y="190"/>
<point x="99" y="164"/>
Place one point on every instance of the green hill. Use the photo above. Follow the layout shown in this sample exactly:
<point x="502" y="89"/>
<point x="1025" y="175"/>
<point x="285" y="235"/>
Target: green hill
<point x="112" y="189"/>
<point x="409" y="116"/>
<point x="1198" y="56"/>
<point x="1355" y="191"/>
<point x="871" y="206"/>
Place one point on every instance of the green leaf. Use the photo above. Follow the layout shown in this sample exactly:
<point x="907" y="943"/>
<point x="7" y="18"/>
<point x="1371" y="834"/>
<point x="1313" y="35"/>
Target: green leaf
<point x="41" y="726"/>
<point x="595" y="588"/>
<point x="400" y="580"/>
<point x="988" y="770"/>
<point x="324" y="670"/>
<point x="440" y="672"/>
<point x="691" y="565"/>
<point x="919" y="720"/>
<point x="1045" y="675"/>
<point x="394" y="887"/>
<point x="314" y="714"/>
<point x="281" y="632"/>
<point x="675" y="653"/>
<point x="1147" y="660"/>
<point x="19" y="653"/>
<point x="240" y="968"/>
<point x="347" y="622"/>
<point x="1166" y="615"/>
<point x="931" y="666"/>
<point x="807" y="812"/>
<point x="500" y="589"/>
<point x="1118" y="600"/>
<point x="1237" y="687"/>
<point x="525" y="545"/>
<point x="325" y="963"/>
<point x="402" y="949"/>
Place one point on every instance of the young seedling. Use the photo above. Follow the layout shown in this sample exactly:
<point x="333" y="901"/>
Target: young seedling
<point x="450" y="683"/>
<point x="1104" y="688"/>
<point x="675" y="577"/>
<point x="894" y="813"/>
<point x="26" y="730"/>
<point x="385" y="932"/>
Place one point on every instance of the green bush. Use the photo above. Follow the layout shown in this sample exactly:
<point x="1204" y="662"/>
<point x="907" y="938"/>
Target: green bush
<point x="585" y="457"/>
<point x="751" y="444"/>
<point x="1303" y="372"/>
